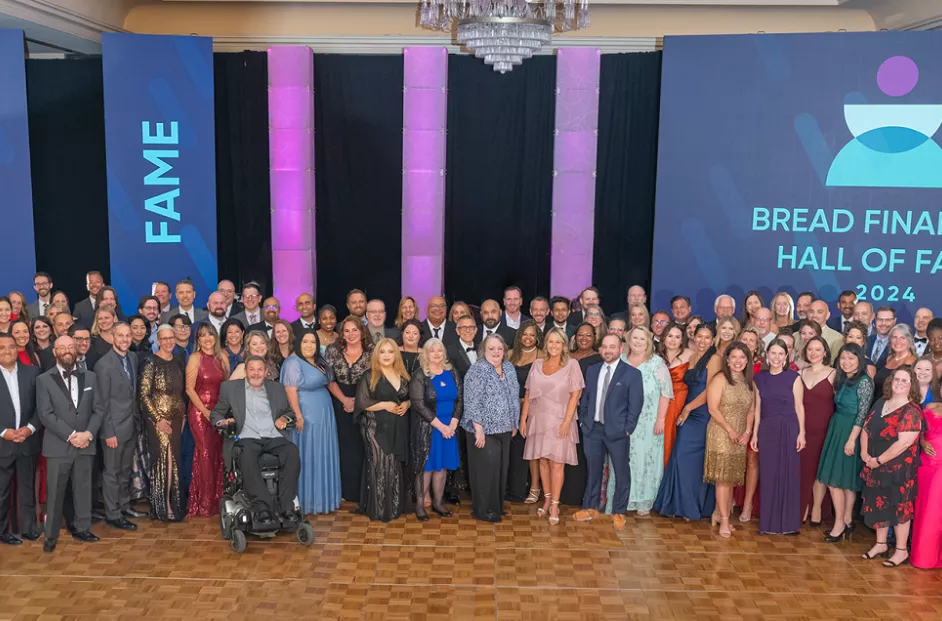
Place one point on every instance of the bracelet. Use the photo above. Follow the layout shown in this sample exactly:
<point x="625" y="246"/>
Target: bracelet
<point x="879" y="463"/>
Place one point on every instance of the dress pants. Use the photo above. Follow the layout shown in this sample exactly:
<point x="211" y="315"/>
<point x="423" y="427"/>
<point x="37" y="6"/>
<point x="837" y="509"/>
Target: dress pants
<point x="25" y="467"/>
<point x="252" y="481"/>
<point x="116" y="477"/>
<point x="488" y="468"/>
<point x="596" y="446"/>
<point x="59" y="471"/>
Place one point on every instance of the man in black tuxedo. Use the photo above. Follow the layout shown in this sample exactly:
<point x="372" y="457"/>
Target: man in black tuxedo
<point x="307" y="322"/>
<point x="513" y="300"/>
<point x="435" y="324"/>
<point x="463" y="353"/>
<point x="559" y="310"/>
<point x="588" y="297"/>
<point x="376" y="322"/>
<point x="724" y="306"/>
<point x="65" y="401"/>
<point x="84" y="311"/>
<point x="271" y="312"/>
<point x="227" y="289"/>
<point x="19" y="440"/>
<point x="680" y="309"/>
<point x="491" y="324"/>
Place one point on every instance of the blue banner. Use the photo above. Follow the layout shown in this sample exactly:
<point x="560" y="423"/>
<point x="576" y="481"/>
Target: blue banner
<point x="801" y="162"/>
<point x="160" y="142"/>
<point x="16" y="204"/>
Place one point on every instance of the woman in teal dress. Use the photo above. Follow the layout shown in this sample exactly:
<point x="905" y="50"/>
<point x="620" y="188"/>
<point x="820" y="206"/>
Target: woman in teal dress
<point x="647" y="442"/>
<point x="840" y="463"/>
<point x="305" y="376"/>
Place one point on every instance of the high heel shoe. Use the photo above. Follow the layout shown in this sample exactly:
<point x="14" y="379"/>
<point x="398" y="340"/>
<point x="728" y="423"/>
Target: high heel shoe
<point x="726" y="530"/>
<point x="714" y="519"/>
<point x="442" y="512"/>
<point x="554" y="519"/>
<point x="422" y="517"/>
<point x="870" y="557"/>
<point x="542" y="511"/>
<point x="532" y="497"/>
<point x="829" y="538"/>
<point x="745" y="516"/>
<point x="891" y="565"/>
<point x="849" y="528"/>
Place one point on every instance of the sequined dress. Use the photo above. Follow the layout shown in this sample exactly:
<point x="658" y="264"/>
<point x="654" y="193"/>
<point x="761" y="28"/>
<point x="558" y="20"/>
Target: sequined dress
<point x="724" y="460"/>
<point x="161" y="396"/>
<point x="206" y="485"/>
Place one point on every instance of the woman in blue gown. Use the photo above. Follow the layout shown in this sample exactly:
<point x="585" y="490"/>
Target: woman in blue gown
<point x="682" y="492"/>
<point x="305" y="376"/>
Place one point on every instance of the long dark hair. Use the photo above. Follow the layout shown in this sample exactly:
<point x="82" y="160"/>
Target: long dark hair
<point x="704" y="360"/>
<point x="517" y="348"/>
<point x="744" y="317"/>
<point x="661" y="348"/>
<point x="144" y="345"/>
<point x="319" y="362"/>
<point x="841" y="378"/>
<point x="746" y="372"/>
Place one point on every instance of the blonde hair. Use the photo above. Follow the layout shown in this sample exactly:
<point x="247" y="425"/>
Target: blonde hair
<point x="719" y="324"/>
<point x="376" y="368"/>
<point x="564" y="355"/>
<point x="431" y="344"/>
<point x="791" y="306"/>
<point x="644" y="309"/>
<point x="399" y="319"/>
<point x="96" y="331"/>
<point x="208" y="328"/>
<point x="451" y="311"/>
<point x="649" y="337"/>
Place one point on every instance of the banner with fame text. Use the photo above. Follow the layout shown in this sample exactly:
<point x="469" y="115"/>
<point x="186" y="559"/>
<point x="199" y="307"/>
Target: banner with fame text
<point x="801" y="162"/>
<point x="16" y="204"/>
<point x="160" y="147"/>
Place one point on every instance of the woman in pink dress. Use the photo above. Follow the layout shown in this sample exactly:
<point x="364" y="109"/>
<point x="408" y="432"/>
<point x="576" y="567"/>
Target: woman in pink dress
<point x="548" y="417"/>
<point x="206" y="370"/>
<point x="927" y="523"/>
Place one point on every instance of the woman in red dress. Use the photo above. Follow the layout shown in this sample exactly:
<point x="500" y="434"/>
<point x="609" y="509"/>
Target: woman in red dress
<point x="673" y="349"/>
<point x="206" y="370"/>
<point x="818" y="377"/>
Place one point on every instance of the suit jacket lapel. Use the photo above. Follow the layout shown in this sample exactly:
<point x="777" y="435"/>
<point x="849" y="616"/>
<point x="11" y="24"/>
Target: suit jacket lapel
<point x="5" y="393"/>
<point x="239" y="410"/>
<point x="23" y="383"/>
<point x="65" y="389"/>
<point x="616" y="376"/>
<point x="81" y="390"/>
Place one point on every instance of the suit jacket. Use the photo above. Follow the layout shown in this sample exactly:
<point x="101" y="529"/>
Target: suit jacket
<point x="26" y="382"/>
<point x="60" y="417"/>
<point x="233" y="311"/>
<point x="504" y="331"/>
<point x="261" y="326"/>
<point x="84" y="313"/>
<point x="523" y="317"/>
<point x="33" y="309"/>
<point x="231" y="403"/>
<point x="389" y="333"/>
<point x="623" y="402"/>
<point x="459" y="357"/>
<point x="570" y="328"/>
<point x="300" y="330"/>
<point x="449" y="333"/>
<point x="117" y="403"/>
<point x="245" y="321"/>
<point x="871" y="341"/>
<point x="198" y="314"/>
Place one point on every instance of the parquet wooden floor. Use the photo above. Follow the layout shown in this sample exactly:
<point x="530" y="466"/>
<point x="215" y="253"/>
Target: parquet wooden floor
<point x="457" y="568"/>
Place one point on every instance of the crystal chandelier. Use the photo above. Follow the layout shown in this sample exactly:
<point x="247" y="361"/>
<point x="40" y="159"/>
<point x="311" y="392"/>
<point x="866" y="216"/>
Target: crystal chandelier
<point x="504" y="32"/>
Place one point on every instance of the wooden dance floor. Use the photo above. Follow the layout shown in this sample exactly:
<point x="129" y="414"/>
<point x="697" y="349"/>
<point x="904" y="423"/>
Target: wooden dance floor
<point x="458" y="568"/>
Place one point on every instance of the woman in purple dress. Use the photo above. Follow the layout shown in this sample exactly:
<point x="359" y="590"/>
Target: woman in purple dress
<point x="778" y="437"/>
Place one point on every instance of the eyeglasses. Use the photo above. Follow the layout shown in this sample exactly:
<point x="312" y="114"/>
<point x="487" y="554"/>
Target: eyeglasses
<point x="81" y="339"/>
<point x="463" y="328"/>
<point x="661" y="322"/>
<point x="272" y="307"/>
<point x="40" y="284"/>
<point x="436" y="306"/>
<point x="181" y="327"/>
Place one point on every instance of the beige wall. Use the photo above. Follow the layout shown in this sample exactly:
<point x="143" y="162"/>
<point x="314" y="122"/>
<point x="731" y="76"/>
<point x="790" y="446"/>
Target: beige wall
<point x="239" y="19"/>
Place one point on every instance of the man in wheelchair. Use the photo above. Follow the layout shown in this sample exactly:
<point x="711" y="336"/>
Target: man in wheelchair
<point x="259" y="408"/>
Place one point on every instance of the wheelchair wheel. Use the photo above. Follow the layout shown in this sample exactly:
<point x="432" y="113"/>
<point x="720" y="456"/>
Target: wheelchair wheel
<point x="225" y="520"/>
<point x="238" y="541"/>
<point x="305" y="534"/>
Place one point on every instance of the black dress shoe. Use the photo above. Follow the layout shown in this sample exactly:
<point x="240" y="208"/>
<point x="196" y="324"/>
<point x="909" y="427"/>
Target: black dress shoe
<point x="98" y="516"/>
<point x="131" y="513"/>
<point x="49" y="546"/>
<point x="263" y="517"/>
<point x="32" y="535"/>
<point x="10" y="539"/>
<point x="452" y="499"/>
<point x="122" y="524"/>
<point x="422" y="517"/>
<point x="85" y="536"/>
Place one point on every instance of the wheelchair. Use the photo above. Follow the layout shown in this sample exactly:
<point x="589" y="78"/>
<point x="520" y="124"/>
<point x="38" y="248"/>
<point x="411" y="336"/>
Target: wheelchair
<point x="235" y="507"/>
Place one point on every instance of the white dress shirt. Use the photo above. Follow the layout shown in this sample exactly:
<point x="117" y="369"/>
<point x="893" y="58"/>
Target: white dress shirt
<point x="43" y="306"/>
<point x="598" y="392"/>
<point x="72" y="383"/>
<point x="768" y="338"/>
<point x="472" y="354"/>
<point x="252" y="318"/>
<point x="217" y="324"/>
<point x="920" y="345"/>
<point x="432" y="329"/>
<point x="14" y="387"/>
<point x="511" y="322"/>
<point x="188" y="313"/>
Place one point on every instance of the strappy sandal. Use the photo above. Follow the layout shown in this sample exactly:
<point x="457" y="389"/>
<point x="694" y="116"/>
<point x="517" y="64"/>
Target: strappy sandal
<point x="532" y="497"/>
<point x="541" y="511"/>
<point x="884" y="554"/>
<point x="890" y="564"/>
<point x="554" y="520"/>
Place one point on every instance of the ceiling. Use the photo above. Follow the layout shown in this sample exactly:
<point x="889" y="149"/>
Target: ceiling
<point x="75" y="26"/>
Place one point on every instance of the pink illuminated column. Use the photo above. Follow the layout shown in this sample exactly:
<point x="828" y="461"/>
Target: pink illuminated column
<point x="291" y="153"/>
<point x="574" y="154"/>
<point x="424" y="105"/>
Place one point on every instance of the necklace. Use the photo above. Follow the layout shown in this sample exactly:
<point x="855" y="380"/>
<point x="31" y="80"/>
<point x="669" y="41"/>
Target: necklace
<point x="528" y="351"/>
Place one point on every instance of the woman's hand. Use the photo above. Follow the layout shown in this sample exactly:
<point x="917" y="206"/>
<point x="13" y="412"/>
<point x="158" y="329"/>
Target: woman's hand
<point x="865" y="458"/>
<point x="928" y="449"/>
<point x="479" y="438"/>
<point x="348" y="404"/>
<point x="744" y="437"/>
<point x="754" y="443"/>
<point x="800" y="443"/>
<point x="849" y="447"/>
<point x="523" y="427"/>
<point x="564" y="429"/>
<point x="299" y="423"/>
<point x="658" y="427"/>
<point x="163" y="426"/>
<point x="206" y="414"/>
<point x="400" y="409"/>
<point x="733" y="435"/>
<point x="684" y="413"/>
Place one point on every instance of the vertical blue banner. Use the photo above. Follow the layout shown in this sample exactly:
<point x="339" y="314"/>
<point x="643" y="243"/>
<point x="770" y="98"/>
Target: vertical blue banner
<point x="160" y="148"/>
<point x="16" y="192"/>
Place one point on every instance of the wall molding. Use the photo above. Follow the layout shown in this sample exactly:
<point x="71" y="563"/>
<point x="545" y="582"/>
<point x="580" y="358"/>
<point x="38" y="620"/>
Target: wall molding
<point x="53" y="16"/>
<point x="395" y="45"/>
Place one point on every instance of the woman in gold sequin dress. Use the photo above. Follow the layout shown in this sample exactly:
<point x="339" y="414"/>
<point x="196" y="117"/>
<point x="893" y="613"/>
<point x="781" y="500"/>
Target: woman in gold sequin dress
<point x="163" y="410"/>
<point x="731" y="404"/>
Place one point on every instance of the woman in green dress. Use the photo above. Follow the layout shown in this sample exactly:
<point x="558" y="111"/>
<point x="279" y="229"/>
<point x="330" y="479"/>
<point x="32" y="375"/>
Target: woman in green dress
<point x="840" y="463"/>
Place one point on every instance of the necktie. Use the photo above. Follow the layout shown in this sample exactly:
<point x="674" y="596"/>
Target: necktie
<point x="878" y="350"/>
<point x="377" y="337"/>
<point x="600" y="415"/>
<point x="127" y="367"/>
<point x="81" y="364"/>
<point x="436" y="332"/>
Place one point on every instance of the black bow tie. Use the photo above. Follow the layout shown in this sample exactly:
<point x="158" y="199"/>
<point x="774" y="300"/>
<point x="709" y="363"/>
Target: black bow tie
<point x="922" y="340"/>
<point x="469" y="349"/>
<point x="66" y="375"/>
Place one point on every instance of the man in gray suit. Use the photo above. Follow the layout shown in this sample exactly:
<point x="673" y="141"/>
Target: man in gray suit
<point x="185" y="294"/>
<point x="376" y="322"/>
<point x="116" y="406"/>
<point x="65" y="401"/>
<point x="42" y="284"/>
<point x="261" y="413"/>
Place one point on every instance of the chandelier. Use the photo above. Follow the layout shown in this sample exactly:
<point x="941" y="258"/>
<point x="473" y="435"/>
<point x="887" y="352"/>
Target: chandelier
<point x="504" y="32"/>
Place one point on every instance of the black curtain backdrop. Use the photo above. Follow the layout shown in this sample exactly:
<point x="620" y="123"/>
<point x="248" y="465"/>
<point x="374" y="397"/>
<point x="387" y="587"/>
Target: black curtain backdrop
<point x="243" y="205"/>
<point x="499" y="189"/>
<point x="358" y="157"/>
<point x="67" y="157"/>
<point x="629" y="104"/>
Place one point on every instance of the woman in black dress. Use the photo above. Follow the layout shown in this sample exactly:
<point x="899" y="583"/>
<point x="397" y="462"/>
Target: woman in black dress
<point x="585" y="352"/>
<point x="411" y="334"/>
<point x="382" y="400"/>
<point x="349" y="360"/>
<point x="527" y="347"/>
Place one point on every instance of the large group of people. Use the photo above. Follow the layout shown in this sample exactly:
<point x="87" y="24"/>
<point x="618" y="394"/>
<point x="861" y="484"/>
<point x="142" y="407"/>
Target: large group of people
<point x="795" y="415"/>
